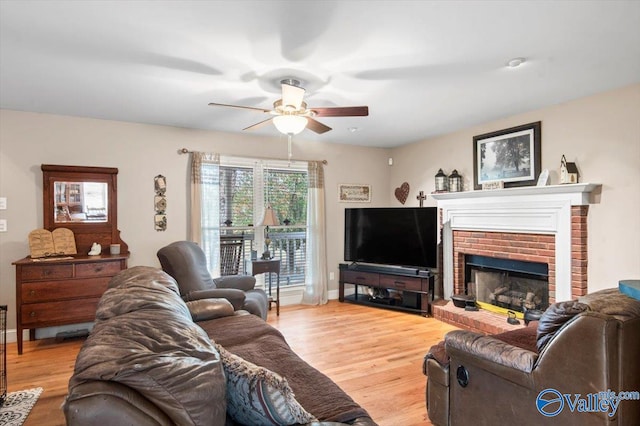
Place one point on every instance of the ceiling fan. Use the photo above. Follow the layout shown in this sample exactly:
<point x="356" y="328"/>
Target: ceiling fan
<point x="291" y="115"/>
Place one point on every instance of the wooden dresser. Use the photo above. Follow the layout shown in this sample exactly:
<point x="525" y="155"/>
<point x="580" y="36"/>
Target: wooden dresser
<point x="62" y="291"/>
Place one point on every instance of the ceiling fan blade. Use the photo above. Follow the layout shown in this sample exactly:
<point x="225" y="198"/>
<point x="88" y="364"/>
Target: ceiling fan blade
<point x="257" y="125"/>
<point x="292" y="96"/>
<point x="240" y="107"/>
<point x="356" y="111"/>
<point x="317" y="126"/>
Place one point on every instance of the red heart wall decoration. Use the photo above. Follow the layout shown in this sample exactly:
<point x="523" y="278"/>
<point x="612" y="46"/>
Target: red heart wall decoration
<point x="403" y="192"/>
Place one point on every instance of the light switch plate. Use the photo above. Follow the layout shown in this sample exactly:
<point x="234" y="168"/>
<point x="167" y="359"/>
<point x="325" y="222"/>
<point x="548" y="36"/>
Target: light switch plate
<point x="3" y="225"/>
<point x="3" y="203"/>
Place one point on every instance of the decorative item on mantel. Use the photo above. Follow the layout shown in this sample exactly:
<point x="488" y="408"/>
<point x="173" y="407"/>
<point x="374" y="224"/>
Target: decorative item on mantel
<point x="441" y="181"/>
<point x="568" y="171"/>
<point x="543" y="179"/>
<point x="455" y="182"/>
<point x="496" y="184"/>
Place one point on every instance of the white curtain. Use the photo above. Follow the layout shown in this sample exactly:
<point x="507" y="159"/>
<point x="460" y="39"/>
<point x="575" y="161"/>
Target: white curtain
<point x="316" y="291"/>
<point x="204" y="226"/>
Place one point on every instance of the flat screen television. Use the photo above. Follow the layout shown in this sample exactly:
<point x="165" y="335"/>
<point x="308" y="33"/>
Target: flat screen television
<point x="401" y="236"/>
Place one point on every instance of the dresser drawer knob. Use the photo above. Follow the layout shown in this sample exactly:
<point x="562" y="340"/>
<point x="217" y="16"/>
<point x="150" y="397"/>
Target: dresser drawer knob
<point x="32" y="314"/>
<point x="32" y="293"/>
<point x="98" y="268"/>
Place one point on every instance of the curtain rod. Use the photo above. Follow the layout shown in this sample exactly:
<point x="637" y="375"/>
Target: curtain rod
<point x="186" y="151"/>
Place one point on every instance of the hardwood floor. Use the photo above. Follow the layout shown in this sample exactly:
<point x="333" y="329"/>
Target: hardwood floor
<point x="375" y="355"/>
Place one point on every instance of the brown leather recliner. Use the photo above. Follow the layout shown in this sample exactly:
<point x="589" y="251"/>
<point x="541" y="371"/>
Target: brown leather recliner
<point x="186" y="263"/>
<point x="584" y="348"/>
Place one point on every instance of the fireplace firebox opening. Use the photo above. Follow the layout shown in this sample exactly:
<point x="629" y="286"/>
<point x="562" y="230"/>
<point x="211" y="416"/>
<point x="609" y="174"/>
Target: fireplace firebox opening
<point x="503" y="285"/>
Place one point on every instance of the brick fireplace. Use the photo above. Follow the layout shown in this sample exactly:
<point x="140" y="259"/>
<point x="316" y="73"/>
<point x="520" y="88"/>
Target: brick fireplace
<point x="536" y="224"/>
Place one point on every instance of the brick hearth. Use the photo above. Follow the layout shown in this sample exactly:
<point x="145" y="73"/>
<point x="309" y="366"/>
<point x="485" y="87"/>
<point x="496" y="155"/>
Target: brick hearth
<point x="481" y="321"/>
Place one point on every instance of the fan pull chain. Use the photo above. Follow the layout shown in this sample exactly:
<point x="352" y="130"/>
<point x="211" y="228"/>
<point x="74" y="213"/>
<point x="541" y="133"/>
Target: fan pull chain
<point x="289" y="145"/>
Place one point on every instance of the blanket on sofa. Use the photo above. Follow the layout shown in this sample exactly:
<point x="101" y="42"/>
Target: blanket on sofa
<point x="144" y="338"/>
<point x="256" y="341"/>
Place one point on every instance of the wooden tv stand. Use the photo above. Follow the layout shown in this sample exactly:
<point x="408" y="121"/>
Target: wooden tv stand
<point x="415" y="287"/>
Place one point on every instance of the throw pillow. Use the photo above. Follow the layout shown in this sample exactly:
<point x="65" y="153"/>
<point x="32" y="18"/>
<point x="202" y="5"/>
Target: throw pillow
<point x="258" y="396"/>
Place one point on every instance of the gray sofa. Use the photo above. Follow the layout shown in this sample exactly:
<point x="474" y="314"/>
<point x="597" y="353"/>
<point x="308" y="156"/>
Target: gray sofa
<point x="154" y="359"/>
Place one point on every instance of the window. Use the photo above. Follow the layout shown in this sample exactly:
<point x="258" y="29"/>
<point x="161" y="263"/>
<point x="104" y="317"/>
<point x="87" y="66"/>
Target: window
<point x="236" y="196"/>
<point x="286" y="192"/>
<point x="246" y="188"/>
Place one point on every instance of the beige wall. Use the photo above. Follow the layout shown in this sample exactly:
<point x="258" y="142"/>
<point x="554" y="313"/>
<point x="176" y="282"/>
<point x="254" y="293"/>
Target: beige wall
<point x="600" y="133"/>
<point x="141" y="152"/>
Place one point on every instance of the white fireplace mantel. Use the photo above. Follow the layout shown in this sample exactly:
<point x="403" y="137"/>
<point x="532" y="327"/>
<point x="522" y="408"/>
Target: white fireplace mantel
<point x="533" y="209"/>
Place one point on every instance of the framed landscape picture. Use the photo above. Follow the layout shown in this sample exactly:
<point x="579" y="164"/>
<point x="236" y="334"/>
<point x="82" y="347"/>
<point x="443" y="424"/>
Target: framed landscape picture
<point x="511" y="156"/>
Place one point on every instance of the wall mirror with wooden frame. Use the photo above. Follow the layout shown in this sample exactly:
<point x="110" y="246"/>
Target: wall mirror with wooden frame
<point x="85" y="200"/>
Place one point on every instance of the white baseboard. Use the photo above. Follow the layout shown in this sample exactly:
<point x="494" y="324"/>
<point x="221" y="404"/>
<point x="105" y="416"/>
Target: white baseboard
<point x="333" y="295"/>
<point x="293" y="296"/>
<point x="12" y="335"/>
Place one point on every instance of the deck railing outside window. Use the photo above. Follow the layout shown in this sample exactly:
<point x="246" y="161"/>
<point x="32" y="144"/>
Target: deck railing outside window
<point x="288" y="243"/>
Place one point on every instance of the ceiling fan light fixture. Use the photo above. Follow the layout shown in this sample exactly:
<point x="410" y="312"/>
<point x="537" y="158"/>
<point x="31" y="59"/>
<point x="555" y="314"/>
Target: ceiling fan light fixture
<point x="290" y="124"/>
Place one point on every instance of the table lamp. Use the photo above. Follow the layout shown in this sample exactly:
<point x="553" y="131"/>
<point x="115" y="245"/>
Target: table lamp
<point x="268" y="220"/>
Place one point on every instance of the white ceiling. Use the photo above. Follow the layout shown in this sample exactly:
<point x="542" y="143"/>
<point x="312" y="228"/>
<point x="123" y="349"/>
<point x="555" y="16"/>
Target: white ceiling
<point x="424" y="68"/>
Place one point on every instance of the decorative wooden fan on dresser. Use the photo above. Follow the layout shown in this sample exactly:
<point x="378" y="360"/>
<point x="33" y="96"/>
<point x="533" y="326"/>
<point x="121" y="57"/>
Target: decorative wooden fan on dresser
<point x="291" y="115"/>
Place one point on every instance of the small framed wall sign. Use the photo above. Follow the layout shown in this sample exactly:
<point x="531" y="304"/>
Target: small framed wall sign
<point x="496" y="184"/>
<point x="354" y="193"/>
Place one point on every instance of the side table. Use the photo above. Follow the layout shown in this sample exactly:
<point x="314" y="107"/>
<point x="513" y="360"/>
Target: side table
<point x="260" y="266"/>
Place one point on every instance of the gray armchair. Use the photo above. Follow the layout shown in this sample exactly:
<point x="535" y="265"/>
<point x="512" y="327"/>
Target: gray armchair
<point x="186" y="263"/>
